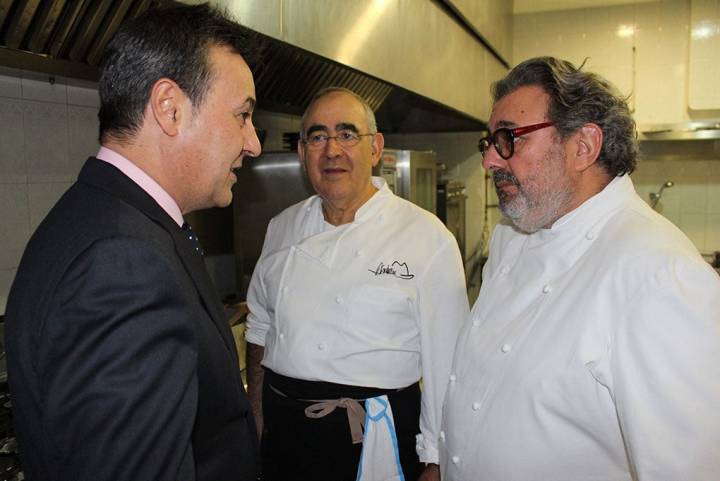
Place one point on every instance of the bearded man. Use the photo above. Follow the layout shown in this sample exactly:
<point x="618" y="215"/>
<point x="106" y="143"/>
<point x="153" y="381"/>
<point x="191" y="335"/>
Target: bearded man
<point x="593" y="351"/>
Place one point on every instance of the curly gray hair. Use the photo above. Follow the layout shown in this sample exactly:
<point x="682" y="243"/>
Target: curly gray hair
<point x="577" y="98"/>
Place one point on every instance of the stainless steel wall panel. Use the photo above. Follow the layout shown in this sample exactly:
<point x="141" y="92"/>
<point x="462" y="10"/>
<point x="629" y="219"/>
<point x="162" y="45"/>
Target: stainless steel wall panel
<point x="493" y="19"/>
<point x="264" y="16"/>
<point x="414" y="44"/>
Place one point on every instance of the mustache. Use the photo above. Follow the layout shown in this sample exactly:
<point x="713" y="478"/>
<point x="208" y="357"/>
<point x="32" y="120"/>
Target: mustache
<point x="500" y="176"/>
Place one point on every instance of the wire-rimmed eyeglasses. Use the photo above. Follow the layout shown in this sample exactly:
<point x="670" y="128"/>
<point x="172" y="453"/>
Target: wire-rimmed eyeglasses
<point x="503" y="139"/>
<point x="346" y="138"/>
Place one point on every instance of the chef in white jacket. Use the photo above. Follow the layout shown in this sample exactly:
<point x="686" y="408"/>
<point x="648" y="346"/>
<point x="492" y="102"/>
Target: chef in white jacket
<point x="356" y="296"/>
<point x="593" y="351"/>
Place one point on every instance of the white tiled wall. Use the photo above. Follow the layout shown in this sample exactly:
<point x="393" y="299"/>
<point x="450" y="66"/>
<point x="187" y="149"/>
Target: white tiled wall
<point x="693" y="203"/>
<point x="651" y="64"/>
<point x="48" y="129"/>
<point x="704" y="71"/>
<point x="642" y="49"/>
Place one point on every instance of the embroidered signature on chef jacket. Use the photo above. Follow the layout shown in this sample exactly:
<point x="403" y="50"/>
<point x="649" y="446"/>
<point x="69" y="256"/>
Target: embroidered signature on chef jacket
<point x="396" y="269"/>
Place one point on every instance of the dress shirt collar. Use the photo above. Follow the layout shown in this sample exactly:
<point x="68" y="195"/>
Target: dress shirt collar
<point x="144" y="181"/>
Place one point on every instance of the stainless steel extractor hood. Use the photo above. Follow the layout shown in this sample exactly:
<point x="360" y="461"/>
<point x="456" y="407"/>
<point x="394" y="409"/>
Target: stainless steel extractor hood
<point x="62" y="37"/>
<point x="697" y="140"/>
<point x="67" y="37"/>
<point x="696" y="130"/>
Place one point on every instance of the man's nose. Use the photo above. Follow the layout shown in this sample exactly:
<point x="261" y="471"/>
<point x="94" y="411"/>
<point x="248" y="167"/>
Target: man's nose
<point x="252" y="144"/>
<point x="492" y="160"/>
<point x="332" y="147"/>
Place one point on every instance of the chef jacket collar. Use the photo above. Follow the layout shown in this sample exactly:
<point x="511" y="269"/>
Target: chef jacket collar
<point x="375" y="203"/>
<point x="592" y="213"/>
<point x="322" y="246"/>
<point x="368" y="210"/>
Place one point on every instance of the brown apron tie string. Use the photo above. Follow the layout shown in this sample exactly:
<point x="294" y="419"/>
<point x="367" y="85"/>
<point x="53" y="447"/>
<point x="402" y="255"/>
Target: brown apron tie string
<point x="355" y="414"/>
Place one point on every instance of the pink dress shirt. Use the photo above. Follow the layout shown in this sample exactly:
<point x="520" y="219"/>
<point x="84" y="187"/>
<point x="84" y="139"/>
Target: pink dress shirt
<point x="142" y="179"/>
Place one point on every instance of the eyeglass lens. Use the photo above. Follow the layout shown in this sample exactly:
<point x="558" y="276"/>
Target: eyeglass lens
<point x="502" y="140"/>
<point x="346" y="138"/>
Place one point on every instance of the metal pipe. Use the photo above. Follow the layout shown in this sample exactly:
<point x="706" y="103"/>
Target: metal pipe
<point x="655" y="197"/>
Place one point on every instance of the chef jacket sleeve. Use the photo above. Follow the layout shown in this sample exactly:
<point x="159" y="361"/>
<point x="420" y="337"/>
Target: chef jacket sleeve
<point x="258" y="319"/>
<point x="442" y="309"/>
<point x="119" y="363"/>
<point x="665" y="368"/>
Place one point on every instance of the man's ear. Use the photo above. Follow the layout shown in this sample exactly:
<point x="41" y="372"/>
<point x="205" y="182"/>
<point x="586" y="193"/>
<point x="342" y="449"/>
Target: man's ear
<point x="378" y="143"/>
<point x="166" y="104"/>
<point x="585" y="146"/>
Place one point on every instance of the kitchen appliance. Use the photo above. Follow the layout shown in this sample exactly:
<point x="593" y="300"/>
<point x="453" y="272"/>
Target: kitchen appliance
<point x="451" y="210"/>
<point x="266" y="185"/>
<point x="411" y="174"/>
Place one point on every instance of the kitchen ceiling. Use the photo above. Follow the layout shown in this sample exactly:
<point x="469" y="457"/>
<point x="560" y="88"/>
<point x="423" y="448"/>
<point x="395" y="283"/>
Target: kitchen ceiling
<point x="67" y="38"/>
<point x="63" y="37"/>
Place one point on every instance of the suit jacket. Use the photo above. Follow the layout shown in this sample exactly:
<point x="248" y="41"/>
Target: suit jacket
<point x="121" y="363"/>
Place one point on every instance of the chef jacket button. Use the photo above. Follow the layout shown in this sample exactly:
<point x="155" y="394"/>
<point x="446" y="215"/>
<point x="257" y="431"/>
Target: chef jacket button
<point x="339" y="299"/>
<point x="505" y="270"/>
<point x="455" y="459"/>
<point x="285" y="289"/>
<point x="321" y="346"/>
<point x="547" y="289"/>
<point x="453" y="378"/>
<point x="590" y="235"/>
<point x="506" y="348"/>
<point x="476" y="323"/>
<point x="442" y="435"/>
<point x="282" y="335"/>
<point x="358" y="253"/>
<point x="475" y="406"/>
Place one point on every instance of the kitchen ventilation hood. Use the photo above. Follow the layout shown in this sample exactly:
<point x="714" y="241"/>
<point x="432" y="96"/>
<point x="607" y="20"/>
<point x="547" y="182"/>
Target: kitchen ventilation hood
<point x="696" y="130"/>
<point x="698" y="140"/>
<point x="66" y="38"/>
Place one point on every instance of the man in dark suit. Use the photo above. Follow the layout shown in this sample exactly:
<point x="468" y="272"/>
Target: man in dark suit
<point x="121" y="363"/>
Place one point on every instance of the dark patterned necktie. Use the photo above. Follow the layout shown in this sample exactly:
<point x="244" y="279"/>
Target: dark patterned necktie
<point x="193" y="238"/>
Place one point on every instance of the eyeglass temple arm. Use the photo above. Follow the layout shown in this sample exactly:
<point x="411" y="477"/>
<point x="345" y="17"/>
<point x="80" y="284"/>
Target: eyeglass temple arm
<point x="529" y="128"/>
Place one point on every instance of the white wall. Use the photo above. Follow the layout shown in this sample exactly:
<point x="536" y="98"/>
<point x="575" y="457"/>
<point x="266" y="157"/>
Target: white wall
<point x="48" y="130"/>
<point x="693" y="203"/>
<point x="652" y="65"/>
<point x="642" y="49"/>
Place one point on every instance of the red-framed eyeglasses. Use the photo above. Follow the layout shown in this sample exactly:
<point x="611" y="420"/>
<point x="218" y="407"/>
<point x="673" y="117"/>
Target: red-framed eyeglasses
<point x="503" y="139"/>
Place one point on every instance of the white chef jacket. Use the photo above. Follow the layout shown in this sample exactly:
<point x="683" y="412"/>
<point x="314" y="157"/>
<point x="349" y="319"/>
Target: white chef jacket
<point x="593" y="354"/>
<point x="377" y="302"/>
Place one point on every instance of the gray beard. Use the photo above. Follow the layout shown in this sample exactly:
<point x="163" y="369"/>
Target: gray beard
<point x="529" y="215"/>
<point x="541" y="201"/>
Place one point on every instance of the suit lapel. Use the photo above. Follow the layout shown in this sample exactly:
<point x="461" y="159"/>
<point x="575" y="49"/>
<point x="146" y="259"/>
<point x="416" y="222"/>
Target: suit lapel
<point x="195" y="266"/>
<point x="108" y="178"/>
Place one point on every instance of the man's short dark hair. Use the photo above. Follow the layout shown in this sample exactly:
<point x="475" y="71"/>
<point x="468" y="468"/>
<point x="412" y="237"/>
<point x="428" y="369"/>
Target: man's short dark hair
<point x="171" y="42"/>
<point x="577" y="98"/>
